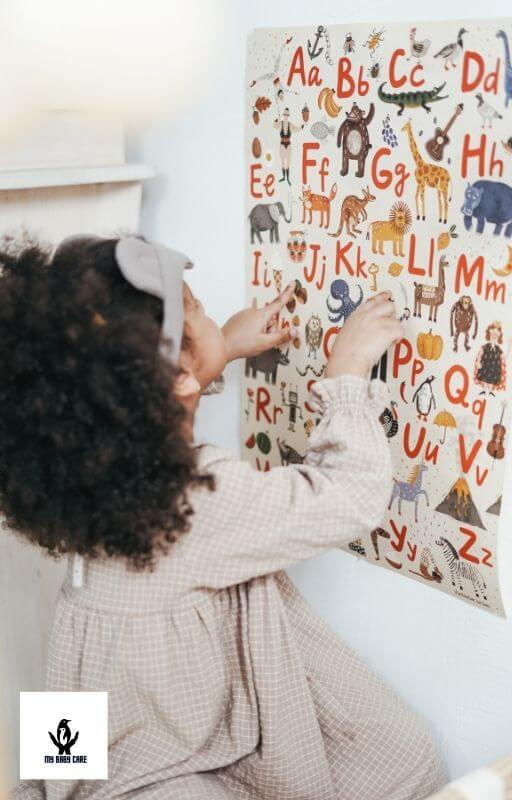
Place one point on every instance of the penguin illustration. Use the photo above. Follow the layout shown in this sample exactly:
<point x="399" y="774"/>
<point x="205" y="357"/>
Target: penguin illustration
<point x="63" y="740"/>
<point x="424" y="398"/>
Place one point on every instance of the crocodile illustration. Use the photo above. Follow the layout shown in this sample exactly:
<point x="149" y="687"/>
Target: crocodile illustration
<point x="413" y="99"/>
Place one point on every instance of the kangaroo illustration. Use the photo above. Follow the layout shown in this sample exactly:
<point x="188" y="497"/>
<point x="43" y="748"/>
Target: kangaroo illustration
<point x="353" y="210"/>
<point x="317" y="202"/>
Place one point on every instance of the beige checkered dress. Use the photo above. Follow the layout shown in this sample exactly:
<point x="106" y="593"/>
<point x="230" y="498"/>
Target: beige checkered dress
<point x="222" y="681"/>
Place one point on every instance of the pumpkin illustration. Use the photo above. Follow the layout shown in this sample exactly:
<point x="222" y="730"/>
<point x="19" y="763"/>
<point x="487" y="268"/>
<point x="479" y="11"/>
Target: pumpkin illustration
<point x="430" y="345"/>
<point x="264" y="443"/>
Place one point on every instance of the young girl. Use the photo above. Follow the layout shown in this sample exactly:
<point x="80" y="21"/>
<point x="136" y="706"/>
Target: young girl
<point x="222" y="682"/>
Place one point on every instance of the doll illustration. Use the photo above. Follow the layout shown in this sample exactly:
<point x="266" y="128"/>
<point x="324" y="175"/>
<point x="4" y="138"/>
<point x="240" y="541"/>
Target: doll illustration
<point x="490" y="365"/>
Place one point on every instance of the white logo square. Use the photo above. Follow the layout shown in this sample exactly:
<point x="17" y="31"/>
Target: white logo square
<point x="64" y="735"/>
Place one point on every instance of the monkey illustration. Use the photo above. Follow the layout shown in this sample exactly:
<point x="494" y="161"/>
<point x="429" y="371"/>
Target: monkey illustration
<point x="353" y="138"/>
<point x="462" y="316"/>
<point x="314" y="334"/>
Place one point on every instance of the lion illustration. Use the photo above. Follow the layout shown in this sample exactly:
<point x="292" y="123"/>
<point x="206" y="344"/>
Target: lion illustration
<point x="391" y="230"/>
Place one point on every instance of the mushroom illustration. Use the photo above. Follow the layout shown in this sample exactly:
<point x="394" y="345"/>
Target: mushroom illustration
<point x="445" y="420"/>
<point x="373" y="270"/>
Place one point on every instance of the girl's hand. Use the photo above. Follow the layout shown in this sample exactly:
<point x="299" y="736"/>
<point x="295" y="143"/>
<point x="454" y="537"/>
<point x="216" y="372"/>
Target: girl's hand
<point x="254" y="330"/>
<point x="364" y="337"/>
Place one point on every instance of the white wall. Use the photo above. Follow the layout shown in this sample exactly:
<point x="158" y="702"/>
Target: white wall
<point x="451" y="661"/>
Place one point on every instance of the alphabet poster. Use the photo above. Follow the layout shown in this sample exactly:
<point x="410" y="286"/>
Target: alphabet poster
<point x="380" y="157"/>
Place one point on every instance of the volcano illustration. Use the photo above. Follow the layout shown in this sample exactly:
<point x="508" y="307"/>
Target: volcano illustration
<point x="495" y="508"/>
<point x="459" y="504"/>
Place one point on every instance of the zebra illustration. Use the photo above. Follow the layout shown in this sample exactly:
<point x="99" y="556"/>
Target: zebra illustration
<point x="461" y="570"/>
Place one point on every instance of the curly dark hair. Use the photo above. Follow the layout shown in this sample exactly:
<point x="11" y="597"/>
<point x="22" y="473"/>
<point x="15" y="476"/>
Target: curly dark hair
<point x="494" y="326"/>
<point x="94" y="458"/>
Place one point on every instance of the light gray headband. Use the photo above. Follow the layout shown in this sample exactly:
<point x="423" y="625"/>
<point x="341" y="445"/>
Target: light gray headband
<point x="157" y="270"/>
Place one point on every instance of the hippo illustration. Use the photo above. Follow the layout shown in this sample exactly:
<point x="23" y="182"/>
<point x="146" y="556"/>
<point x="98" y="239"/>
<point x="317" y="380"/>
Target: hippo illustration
<point x="488" y="201"/>
<point x="267" y="363"/>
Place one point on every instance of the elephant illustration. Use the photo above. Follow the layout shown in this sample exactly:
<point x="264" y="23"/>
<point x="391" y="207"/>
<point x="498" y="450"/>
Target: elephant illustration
<point x="265" y="217"/>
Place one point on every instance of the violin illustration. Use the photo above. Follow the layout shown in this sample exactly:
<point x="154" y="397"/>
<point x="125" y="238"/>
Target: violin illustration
<point x="496" y="444"/>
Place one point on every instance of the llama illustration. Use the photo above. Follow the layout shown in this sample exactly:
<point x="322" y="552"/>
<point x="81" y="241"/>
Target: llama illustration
<point x="461" y="570"/>
<point x="410" y="489"/>
<point x="431" y="296"/>
<point x="428" y="175"/>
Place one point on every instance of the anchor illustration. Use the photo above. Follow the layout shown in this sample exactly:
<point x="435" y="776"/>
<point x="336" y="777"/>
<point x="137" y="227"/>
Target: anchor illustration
<point x="315" y="51"/>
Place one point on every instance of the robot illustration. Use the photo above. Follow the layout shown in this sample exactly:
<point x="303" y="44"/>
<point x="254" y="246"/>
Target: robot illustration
<point x="292" y="405"/>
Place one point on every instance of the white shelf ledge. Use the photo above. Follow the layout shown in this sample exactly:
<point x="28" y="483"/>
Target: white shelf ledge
<point x="73" y="176"/>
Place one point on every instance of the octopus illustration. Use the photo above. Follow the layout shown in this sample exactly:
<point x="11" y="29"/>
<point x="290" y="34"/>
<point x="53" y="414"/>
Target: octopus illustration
<point x="340" y="292"/>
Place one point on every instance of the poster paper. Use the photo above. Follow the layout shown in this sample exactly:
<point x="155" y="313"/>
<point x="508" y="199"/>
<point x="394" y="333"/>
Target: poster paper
<point x="380" y="157"/>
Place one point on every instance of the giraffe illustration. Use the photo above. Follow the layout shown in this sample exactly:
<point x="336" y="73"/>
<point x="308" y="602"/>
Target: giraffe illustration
<point x="428" y="174"/>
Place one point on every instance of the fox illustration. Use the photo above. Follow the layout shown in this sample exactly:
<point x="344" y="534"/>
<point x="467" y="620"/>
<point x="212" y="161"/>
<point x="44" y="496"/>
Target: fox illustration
<point x="317" y="202"/>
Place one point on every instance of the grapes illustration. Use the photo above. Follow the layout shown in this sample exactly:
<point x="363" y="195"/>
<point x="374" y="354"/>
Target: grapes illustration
<point x="388" y="133"/>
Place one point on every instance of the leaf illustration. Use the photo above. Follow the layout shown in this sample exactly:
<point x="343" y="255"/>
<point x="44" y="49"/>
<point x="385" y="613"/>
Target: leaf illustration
<point x="262" y="103"/>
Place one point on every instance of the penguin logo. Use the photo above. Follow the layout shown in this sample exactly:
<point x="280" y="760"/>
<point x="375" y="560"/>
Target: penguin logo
<point x="63" y="741"/>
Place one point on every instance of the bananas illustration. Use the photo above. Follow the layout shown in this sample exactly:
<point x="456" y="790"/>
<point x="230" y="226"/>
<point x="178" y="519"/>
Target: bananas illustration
<point x="321" y="97"/>
<point x="327" y="102"/>
<point x="507" y="269"/>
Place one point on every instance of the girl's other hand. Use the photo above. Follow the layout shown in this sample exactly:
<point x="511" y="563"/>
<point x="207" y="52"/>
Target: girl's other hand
<point x="254" y="330"/>
<point x="364" y="337"/>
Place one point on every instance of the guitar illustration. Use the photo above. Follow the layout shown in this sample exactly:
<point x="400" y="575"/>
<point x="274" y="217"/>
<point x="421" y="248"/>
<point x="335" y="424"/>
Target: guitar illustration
<point x="435" y="146"/>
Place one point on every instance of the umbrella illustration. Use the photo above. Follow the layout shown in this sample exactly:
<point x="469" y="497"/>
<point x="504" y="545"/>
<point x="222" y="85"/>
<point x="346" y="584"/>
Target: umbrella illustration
<point x="445" y="420"/>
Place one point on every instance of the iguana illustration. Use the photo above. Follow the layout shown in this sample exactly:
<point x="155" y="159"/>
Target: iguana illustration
<point x="412" y="99"/>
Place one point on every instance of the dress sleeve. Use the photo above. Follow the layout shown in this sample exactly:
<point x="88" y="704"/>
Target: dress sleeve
<point x="256" y="523"/>
<point x="28" y="790"/>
